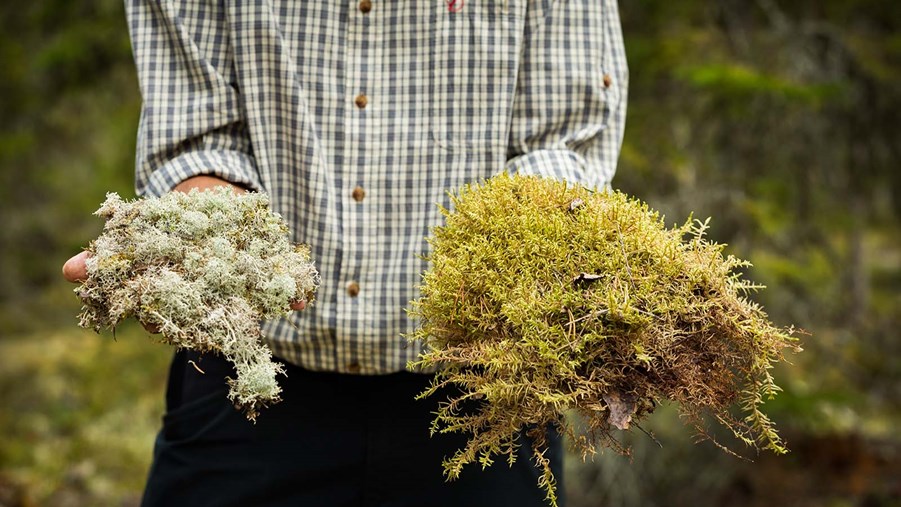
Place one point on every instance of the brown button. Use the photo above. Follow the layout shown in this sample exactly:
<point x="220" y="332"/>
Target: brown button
<point x="358" y="193"/>
<point x="365" y="6"/>
<point x="607" y="80"/>
<point x="353" y="367"/>
<point x="353" y="288"/>
<point x="361" y="101"/>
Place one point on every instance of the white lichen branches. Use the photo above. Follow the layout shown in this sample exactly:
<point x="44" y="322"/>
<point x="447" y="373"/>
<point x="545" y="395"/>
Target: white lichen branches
<point x="204" y="268"/>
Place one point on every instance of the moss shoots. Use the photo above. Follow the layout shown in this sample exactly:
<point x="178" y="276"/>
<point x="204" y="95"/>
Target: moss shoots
<point x="543" y="298"/>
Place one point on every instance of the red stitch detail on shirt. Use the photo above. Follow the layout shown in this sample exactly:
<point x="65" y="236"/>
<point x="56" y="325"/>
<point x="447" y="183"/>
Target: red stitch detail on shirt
<point x="454" y="5"/>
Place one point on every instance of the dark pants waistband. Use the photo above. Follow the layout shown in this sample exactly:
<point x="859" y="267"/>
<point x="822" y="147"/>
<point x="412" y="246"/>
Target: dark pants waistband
<point x="334" y="440"/>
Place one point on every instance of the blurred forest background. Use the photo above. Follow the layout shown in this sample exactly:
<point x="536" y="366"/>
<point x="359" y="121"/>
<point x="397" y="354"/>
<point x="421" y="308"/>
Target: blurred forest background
<point x="780" y="119"/>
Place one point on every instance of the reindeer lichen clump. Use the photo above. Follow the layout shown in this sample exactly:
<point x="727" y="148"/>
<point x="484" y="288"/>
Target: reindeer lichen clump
<point x="203" y="268"/>
<point x="543" y="298"/>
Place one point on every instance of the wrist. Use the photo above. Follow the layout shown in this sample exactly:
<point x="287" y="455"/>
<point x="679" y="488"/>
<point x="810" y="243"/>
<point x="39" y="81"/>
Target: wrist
<point x="205" y="182"/>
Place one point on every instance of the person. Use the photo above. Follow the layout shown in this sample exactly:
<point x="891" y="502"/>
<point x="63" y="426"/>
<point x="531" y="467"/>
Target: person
<point x="357" y="117"/>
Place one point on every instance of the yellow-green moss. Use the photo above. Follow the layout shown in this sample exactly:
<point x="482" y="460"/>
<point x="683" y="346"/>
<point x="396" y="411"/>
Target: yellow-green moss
<point x="543" y="297"/>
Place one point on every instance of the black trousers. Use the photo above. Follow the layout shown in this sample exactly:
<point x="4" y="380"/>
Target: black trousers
<point x="333" y="441"/>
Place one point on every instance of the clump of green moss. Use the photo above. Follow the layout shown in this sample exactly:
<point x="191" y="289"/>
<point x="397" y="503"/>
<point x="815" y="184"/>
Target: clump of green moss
<point x="543" y="298"/>
<point x="203" y="268"/>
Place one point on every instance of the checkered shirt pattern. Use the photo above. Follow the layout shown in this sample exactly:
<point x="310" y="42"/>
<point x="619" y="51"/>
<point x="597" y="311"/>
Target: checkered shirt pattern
<point x="269" y="95"/>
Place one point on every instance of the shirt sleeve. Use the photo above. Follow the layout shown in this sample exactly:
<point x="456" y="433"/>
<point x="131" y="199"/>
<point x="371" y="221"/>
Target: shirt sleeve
<point x="570" y="106"/>
<point x="192" y="122"/>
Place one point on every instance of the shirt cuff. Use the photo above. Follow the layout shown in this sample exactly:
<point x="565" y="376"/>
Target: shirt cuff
<point x="232" y="166"/>
<point x="561" y="165"/>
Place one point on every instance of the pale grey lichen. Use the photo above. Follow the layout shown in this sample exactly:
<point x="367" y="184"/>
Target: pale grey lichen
<point x="203" y="268"/>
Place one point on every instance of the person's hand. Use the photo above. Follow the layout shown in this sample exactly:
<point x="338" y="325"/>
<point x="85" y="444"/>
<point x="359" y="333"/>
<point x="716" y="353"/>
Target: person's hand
<point x="75" y="270"/>
<point x="205" y="183"/>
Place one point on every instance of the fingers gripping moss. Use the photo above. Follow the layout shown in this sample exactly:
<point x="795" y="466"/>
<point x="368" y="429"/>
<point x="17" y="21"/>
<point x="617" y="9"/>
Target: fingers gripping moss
<point x="543" y="298"/>
<point x="204" y="268"/>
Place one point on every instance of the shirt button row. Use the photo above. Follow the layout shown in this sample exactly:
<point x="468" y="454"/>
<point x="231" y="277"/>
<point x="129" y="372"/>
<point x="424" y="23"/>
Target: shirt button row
<point x="353" y="288"/>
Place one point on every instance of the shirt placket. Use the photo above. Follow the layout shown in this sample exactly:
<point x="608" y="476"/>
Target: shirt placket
<point x="356" y="295"/>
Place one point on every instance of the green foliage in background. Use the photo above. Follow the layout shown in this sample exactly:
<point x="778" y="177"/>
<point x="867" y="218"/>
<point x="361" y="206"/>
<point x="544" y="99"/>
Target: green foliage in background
<point x="79" y="415"/>
<point x="70" y="103"/>
<point x="778" y="118"/>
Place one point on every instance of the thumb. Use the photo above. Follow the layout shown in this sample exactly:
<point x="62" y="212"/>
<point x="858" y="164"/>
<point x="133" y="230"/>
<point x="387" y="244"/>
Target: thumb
<point x="74" y="270"/>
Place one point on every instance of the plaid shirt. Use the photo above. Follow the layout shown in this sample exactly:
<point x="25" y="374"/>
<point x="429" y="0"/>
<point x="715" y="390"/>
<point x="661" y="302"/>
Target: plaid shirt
<point x="357" y="116"/>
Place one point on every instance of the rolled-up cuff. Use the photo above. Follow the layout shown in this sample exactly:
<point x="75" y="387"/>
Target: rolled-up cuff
<point x="234" y="167"/>
<point x="562" y="165"/>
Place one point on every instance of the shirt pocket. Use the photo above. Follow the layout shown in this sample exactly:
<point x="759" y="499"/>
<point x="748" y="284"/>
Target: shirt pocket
<point x="476" y="46"/>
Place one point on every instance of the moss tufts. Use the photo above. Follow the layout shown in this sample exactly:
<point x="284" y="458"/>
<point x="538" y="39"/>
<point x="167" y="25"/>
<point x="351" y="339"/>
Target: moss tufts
<point x="542" y="298"/>
<point x="204" y="268"/>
